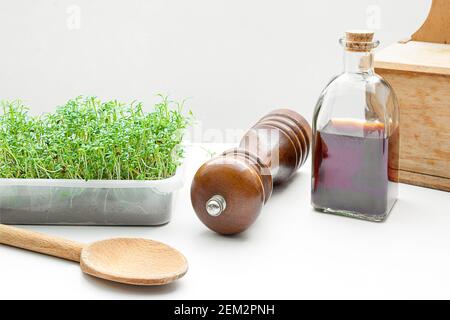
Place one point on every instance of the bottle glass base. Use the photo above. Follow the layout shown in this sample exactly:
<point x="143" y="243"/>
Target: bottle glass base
<point x="356" y="215"/>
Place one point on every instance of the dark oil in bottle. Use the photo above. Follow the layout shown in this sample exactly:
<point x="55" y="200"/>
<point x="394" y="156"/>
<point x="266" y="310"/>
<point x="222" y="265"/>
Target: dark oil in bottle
<point x="352" y="171"/>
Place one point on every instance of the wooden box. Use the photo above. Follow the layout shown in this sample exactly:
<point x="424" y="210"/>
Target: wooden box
<point x="419" y="71"/>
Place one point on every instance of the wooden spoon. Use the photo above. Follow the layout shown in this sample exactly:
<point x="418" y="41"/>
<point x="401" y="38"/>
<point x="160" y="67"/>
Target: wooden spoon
<point x="131" y="261"/>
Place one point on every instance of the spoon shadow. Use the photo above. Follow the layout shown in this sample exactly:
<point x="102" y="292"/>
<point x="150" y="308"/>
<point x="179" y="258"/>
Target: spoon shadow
<point x="131" y="289"/>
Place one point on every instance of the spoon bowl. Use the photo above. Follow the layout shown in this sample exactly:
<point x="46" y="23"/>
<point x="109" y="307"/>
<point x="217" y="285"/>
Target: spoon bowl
<point x="133" y="261"/>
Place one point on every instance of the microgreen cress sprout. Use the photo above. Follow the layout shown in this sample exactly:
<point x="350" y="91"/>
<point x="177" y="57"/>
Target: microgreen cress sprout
<point x="92" y="140"/>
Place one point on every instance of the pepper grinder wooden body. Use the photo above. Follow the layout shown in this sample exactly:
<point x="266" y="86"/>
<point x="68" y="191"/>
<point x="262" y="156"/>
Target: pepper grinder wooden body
<point x="228" y="192"/>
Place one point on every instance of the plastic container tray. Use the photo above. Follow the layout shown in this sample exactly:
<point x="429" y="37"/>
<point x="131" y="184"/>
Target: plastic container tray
<point x="77" y="202"/>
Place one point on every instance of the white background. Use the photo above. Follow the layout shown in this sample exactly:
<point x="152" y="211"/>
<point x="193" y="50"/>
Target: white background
<point x="235" y="59"/>
<point x="291" y="252"/>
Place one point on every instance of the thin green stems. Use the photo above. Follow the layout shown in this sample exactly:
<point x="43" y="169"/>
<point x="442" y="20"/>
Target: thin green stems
<point x="92" y="140"/>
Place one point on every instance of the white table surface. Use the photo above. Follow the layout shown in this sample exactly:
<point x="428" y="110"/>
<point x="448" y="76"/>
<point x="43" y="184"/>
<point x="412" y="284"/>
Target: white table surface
<point x="291" y="252"/>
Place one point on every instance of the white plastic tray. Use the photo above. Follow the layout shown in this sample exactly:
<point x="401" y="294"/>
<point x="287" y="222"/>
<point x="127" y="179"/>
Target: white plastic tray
<point x="78" y="202"/>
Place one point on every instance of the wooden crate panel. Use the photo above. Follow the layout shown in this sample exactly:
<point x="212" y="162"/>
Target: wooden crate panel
<point x="423" y="180"/>
<point x="424" y="124"/>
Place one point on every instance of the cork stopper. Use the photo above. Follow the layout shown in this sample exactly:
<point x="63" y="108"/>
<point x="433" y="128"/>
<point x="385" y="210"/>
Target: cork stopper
<point x="359" y="40"/>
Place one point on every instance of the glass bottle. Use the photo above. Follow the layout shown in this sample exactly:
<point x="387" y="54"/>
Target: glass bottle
<point x="356" y="138"/>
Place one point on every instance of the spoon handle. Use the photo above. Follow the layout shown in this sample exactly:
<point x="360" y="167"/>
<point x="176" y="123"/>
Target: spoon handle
<point x="41" y="243"/>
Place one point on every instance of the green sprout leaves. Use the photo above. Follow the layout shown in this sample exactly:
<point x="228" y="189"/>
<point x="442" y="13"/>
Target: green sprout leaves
<point x="92" y="140"/>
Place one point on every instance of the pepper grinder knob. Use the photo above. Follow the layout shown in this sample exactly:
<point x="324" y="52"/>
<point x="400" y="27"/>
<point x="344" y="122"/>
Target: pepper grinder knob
<point x="229" y="191"/>
<point x="216" y="206"/>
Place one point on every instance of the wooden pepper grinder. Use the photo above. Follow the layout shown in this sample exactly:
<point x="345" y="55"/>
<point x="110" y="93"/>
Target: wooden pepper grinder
<point x="228" y="192"/>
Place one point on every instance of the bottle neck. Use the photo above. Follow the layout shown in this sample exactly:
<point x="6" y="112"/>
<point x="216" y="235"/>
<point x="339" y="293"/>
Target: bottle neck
<point x="358" y="62"/>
